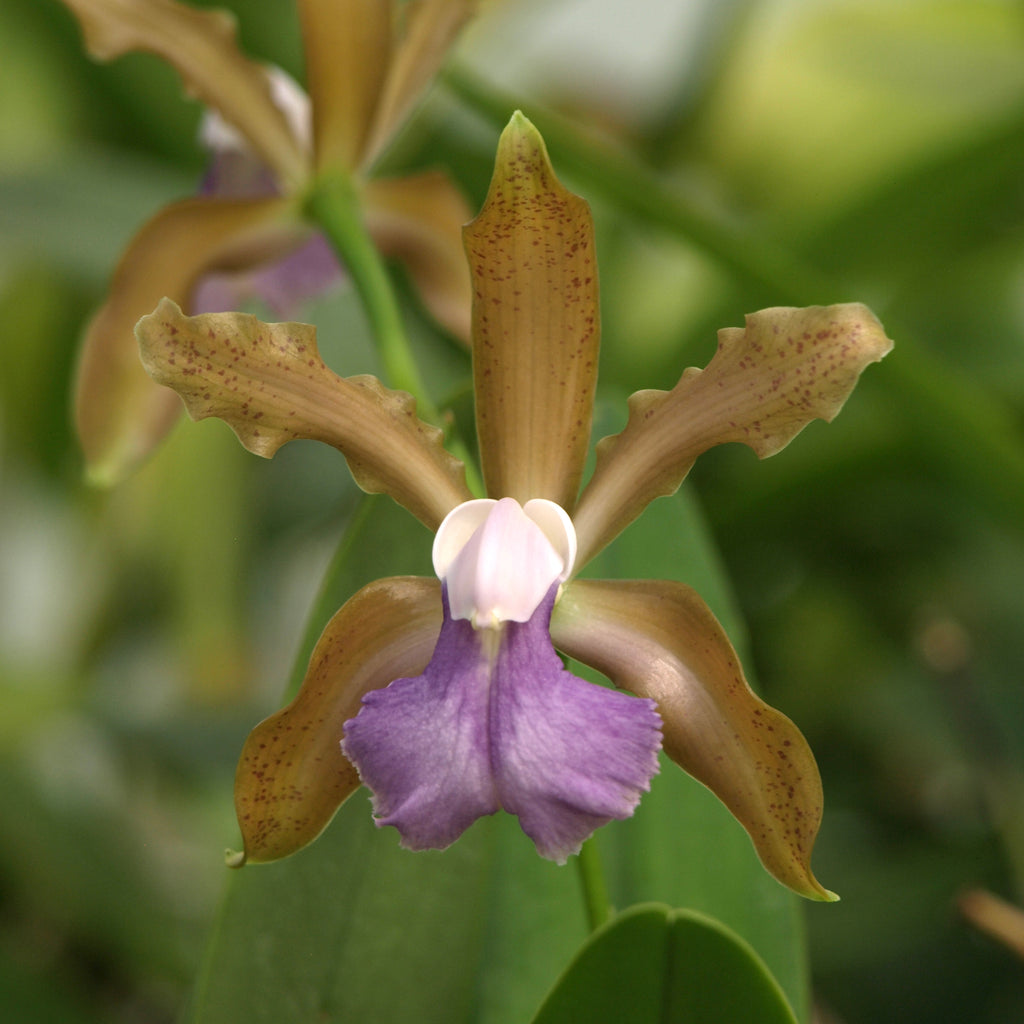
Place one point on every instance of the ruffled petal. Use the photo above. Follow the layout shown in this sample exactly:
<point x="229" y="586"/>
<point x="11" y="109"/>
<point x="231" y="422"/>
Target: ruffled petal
<point x="269" y="384"/>
<point x="292" y="775"/>
<point x="422" y="746"/>
<point x="418" y="221"/>
<point x="569" y="756"/>
<point x="496" y="721"/>
<point x="201" y="46"/>
<point x="120" y="413"/>
<point x="659" y="639"/>
<point x="535" y="325"/>
<point x="766" y="382"/>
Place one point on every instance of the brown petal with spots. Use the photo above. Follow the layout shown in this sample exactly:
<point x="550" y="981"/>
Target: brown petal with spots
<point x="766" y="382"/>
<point x="658" y="639"/>
<point x="201" y="46"/>
<point x="535" y="325"/>
<point x="121" y="415"/>
<point x="269" y="384"/>
<point x="292" y="776"/>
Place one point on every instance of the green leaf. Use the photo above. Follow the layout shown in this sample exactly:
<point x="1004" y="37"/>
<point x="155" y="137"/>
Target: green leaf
<point x="354" y="928"/>
<point x="349" y="930"/>
<point x="654" y="964"/>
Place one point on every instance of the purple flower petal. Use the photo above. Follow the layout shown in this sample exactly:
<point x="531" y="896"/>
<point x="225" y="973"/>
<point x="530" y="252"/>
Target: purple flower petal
<point x="421" y="744"/>
<point x="284" y="285"/>
<point x="569" y="756"/>
<point x="237" y="174"/>
<point x="497" y="721"/>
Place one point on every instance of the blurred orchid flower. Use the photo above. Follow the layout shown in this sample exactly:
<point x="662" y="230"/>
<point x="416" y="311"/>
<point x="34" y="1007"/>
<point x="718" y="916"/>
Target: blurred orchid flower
<point x="366" y="64"/>
<point x="447" y="696"/>
<point x="236" y="172"/>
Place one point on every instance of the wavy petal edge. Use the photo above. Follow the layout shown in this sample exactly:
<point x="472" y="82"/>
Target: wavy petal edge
<point x="766" y="382"/>
<point x="269" y="384"/>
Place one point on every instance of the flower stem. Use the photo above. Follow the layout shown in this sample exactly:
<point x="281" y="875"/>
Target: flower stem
<point x="333" y="205"/>
<point x="595" y="891"/>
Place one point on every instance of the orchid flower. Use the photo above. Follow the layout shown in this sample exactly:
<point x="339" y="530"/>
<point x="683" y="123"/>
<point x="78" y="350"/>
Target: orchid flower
<point x="236" y="172"/>
<point x="447" y="697"/>
<point x="366" y="64"/>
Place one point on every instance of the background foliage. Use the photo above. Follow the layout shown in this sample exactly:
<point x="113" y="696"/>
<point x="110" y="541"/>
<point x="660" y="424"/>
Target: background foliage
<point x="737" y="155"/>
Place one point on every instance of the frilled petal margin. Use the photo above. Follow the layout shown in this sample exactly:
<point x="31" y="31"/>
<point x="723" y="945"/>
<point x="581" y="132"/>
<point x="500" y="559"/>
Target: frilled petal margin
<point x="269" y="384"/>
<point x="292" y="775"/>
<point x="766" y="382"/>
<point x="418" y="221"/>
<point x="658" y="639"/>
<point x="201" y="46"/>
<point x="495" y="721"/>
<point x="120" y="413"/>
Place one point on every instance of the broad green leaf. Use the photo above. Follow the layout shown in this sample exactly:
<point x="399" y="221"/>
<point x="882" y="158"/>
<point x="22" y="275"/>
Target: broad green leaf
<point x="350" y="929"/>
<point x="354" y="928"/>
<point x="655" y="965"/>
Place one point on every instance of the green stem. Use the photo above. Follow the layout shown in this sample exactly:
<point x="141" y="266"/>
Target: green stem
<point x="333" y="205"/>
<point x="595" y="891"/>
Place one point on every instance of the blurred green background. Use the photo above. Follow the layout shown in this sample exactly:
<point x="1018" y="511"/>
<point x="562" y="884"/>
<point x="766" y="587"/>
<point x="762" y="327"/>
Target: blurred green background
<point x="737" y="155"/>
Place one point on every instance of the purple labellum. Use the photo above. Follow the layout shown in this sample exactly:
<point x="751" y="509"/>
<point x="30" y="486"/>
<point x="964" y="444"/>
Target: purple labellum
<point x="496" y="721"/>
<point x="283" y="286"/>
